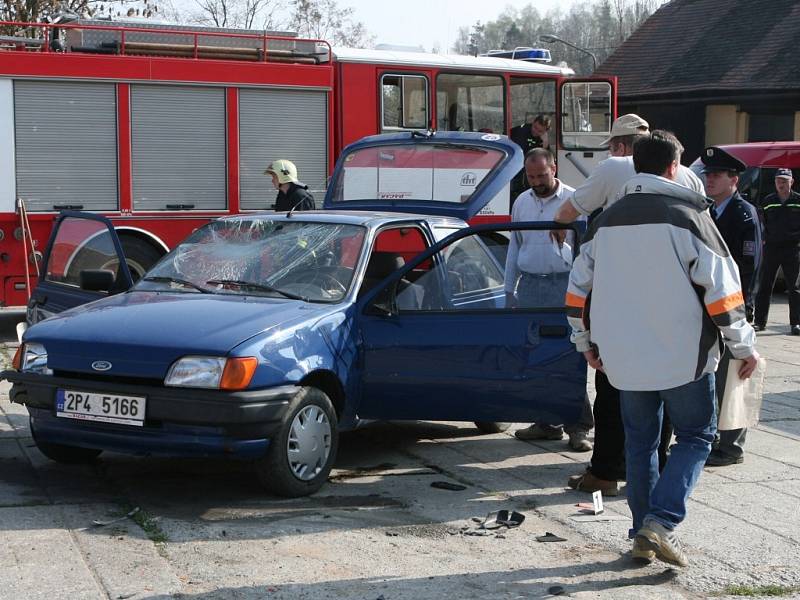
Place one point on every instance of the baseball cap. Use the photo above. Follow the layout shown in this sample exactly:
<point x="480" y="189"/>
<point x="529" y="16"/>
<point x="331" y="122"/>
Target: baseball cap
<point x="784" y="173"/>
<point x="284" y="170"/>
<point x="629" y="124"/>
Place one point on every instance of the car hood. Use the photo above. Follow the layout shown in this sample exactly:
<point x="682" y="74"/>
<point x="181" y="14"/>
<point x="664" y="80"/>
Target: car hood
<point x="142" y="333"/>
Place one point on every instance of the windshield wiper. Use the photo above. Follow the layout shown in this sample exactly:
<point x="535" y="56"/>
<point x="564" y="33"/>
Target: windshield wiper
<point x="183" y="282"/>
<point x="252" y="285"/>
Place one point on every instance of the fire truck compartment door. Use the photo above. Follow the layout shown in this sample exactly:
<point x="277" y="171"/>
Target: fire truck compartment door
<point x="453" y="174"/>
<point x="81" y="247"/>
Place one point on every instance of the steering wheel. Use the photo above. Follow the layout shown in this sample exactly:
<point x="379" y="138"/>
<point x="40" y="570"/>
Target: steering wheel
<point x="328" y="284"/>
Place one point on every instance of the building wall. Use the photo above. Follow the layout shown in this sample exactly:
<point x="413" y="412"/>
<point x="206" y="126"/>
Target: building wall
<point x="686" y="121"/>
<point x="725" y="124"/>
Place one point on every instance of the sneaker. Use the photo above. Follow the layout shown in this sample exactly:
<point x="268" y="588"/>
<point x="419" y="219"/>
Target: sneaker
<point x="718" y="459"/>
<point x="663" y="542"/>
<point x="759" y="326"/>
<point x="641" y="551"/>
<point x="579" y="441"/>
<point x="586" y="482"/>
<point x="537" y="432"/>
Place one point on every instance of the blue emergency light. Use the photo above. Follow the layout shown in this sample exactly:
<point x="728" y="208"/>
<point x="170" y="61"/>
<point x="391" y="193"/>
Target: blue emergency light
<point x="541" y="55"/>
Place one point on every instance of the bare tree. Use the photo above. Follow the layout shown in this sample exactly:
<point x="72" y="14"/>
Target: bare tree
<point x="326" y="20"/>
<point x="242" y="14"/>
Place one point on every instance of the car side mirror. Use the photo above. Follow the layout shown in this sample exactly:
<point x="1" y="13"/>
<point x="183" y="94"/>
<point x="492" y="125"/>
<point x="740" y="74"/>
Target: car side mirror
<point x="97" y="280"/>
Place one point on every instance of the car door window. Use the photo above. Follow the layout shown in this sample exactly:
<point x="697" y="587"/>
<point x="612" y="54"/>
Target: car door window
<point x="80" y="245"/>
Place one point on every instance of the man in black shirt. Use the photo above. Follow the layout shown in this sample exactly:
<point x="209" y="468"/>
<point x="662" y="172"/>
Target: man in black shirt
<point x="781" y="212"/>
<point x="292" y="194"/>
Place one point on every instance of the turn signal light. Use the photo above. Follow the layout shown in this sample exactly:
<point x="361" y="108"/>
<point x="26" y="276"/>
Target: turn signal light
<point x="238" y="373"/>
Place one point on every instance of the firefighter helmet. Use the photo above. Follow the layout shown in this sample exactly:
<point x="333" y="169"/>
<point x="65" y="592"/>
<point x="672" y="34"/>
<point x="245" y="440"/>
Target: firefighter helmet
<point x="284" y="170"/>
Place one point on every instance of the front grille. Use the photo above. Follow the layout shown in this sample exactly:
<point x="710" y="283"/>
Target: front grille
<point x="111" y="379"/>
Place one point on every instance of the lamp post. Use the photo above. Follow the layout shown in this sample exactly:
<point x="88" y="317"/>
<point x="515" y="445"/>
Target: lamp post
<point x="550" y="38"/>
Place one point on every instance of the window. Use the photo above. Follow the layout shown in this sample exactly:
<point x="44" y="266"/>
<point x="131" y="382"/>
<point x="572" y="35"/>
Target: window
<point x="178" y="147"/>
<point x="404" y="101"/>
<point x="470" y="103"/>
<point x="80" y="244"/>
<point x="473" y="272"/>
<point x="585" y="114"/>
<point x="531" y="98"/>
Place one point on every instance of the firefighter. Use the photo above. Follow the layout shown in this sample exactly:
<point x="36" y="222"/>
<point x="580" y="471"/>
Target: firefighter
<point x="781" y="212"/>
<point x="737" y="221"/>
<point x="292" y="194"/>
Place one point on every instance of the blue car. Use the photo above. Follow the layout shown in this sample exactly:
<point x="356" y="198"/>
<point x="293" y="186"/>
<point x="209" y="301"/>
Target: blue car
<point x="263" y="336"/>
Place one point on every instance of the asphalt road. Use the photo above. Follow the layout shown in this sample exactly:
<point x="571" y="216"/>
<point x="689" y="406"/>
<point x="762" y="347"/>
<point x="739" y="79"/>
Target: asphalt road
<point x="379" y="530"/>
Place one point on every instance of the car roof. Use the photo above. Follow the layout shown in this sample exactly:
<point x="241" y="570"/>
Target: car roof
<point x="766" y="154"/>
<point x="371" y="219"/>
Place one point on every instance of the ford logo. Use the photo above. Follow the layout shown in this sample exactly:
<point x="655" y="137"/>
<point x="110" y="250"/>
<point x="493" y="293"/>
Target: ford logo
<point x="101" y="365"/>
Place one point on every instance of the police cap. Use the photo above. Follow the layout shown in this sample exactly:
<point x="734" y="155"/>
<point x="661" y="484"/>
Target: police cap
<point x="716" y="159"/>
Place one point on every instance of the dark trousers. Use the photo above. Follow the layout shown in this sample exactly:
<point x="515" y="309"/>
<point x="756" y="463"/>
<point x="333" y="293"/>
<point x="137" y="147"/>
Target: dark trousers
<point x="788" y="257"/>
<point x="608" y="458"/>
<point x="731" y="442"/>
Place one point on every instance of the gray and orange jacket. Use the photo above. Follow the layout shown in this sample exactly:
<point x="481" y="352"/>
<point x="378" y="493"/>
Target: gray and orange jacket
<point x="653" y="288"/>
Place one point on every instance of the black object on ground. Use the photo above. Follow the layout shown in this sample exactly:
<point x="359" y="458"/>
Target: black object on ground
<point x="446" y="485"/>
<point x="550" y="537"/>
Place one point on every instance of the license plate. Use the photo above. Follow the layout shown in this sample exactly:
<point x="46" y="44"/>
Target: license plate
<point x="97" y="406"/>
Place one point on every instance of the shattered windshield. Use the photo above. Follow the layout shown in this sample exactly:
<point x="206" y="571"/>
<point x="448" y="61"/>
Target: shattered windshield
<point x="313" y="262"/>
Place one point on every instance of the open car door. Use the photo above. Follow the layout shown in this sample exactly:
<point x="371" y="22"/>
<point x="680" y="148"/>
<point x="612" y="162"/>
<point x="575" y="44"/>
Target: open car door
<point x="83" y="262"/>
<point x="587" y="108"/>
<point x="439" y="341"/>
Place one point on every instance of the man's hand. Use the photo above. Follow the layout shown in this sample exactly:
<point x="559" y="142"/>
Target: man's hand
<point x="511" y="301"/>
<point x="593" y="358"/>
<point x="558" y="236"/>
<point x="750" y="364"/>
<point x="566" y="214"/>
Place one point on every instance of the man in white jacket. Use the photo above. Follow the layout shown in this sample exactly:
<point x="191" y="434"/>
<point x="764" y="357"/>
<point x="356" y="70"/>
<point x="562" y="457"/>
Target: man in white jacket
<point x="651" y="291"/>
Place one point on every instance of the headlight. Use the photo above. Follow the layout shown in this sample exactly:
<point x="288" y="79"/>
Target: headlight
<point x="212" y="372"/>
<point x="34" y="359"/>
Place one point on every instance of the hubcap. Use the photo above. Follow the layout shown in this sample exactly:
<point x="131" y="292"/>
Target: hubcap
<point x="309" y="443"/>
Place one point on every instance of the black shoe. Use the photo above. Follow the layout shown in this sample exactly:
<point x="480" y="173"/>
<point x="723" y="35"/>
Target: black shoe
<point x="795" y="329"/>
<point x="759" y="326"/>
<point x="718" y="459"/>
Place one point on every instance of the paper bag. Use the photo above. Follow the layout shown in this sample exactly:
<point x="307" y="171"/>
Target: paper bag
<point x="741" y="400"/>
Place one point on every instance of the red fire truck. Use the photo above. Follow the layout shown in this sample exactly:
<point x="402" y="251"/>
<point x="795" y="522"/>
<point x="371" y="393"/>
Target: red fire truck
<point x="161" y="128"/>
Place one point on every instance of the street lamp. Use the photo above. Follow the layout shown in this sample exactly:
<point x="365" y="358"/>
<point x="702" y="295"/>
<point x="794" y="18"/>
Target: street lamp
<point x="550" y="38"/>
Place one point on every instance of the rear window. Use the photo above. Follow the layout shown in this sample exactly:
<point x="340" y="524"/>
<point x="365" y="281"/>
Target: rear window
<point x="408" y="172"/>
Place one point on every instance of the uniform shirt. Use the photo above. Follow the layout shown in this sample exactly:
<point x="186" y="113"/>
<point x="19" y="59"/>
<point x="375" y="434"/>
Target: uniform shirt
<point x="739" y="226"/>
<point x="781" y="219"/>
<point x="534" y="251"/>
<point x="720" y="208"/>
<point x="604" y="185"/>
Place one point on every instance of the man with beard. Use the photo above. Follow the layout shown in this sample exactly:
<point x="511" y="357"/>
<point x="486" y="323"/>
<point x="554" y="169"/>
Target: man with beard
<point x="537" y="272"/>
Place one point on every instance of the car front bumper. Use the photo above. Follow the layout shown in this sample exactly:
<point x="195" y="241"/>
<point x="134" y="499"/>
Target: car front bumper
<point x="178" y="421"/>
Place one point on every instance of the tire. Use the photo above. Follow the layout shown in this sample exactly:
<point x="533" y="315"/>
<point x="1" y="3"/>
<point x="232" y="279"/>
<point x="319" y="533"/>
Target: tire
<point x="139" y="254"/>
<point x="68" y="455"/>
<point x="280" y="471"/>
<point x="491" y="426"/>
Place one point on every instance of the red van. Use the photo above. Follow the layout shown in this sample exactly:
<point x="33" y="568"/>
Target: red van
<point x="762" y="159"/>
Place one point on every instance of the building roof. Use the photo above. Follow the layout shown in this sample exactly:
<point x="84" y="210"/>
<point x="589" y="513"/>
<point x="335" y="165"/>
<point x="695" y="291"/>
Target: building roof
<point x="705" y="46"/>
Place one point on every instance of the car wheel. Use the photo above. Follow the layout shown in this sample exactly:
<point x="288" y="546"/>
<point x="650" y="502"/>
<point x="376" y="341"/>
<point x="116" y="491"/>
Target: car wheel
<point x="491" y="426"/>
<point x="301" y="454"/>
<point x="68" y="455"/>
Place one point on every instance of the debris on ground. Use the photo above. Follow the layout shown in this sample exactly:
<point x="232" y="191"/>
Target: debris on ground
<point x="492" y="524"/>
<point x="99" y="523"/>
<point x="550" y="537"/>
<point x="446" y="485"/>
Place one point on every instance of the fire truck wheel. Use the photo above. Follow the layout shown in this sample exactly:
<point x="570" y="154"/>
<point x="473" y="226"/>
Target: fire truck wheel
<point x="139" y="255"/>
<point x="68" y="455"/>
<point x="301" y="454"/>
<point x="491" y="426"/>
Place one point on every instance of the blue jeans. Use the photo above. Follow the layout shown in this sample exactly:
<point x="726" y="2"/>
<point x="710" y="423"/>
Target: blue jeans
<point x="692" y="410"/>
<point x="542" y="290"/>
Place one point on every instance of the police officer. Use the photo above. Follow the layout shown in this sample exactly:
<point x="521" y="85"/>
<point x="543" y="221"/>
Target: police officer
<point x="781" y="248"/>
<point x="531" y="134"/>
<point x="737" y="221"/>
<point x="292" y="195"/>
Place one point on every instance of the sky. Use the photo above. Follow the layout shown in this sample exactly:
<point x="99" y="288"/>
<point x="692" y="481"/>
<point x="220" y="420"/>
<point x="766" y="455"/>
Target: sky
<point x="431" y="22"/>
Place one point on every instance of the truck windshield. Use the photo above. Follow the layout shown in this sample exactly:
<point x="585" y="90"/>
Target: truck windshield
<point x="259" y="256"/>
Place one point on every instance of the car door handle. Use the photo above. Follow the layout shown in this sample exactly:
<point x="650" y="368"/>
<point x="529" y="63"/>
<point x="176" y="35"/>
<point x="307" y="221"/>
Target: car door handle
<point x="553" y="330"/>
